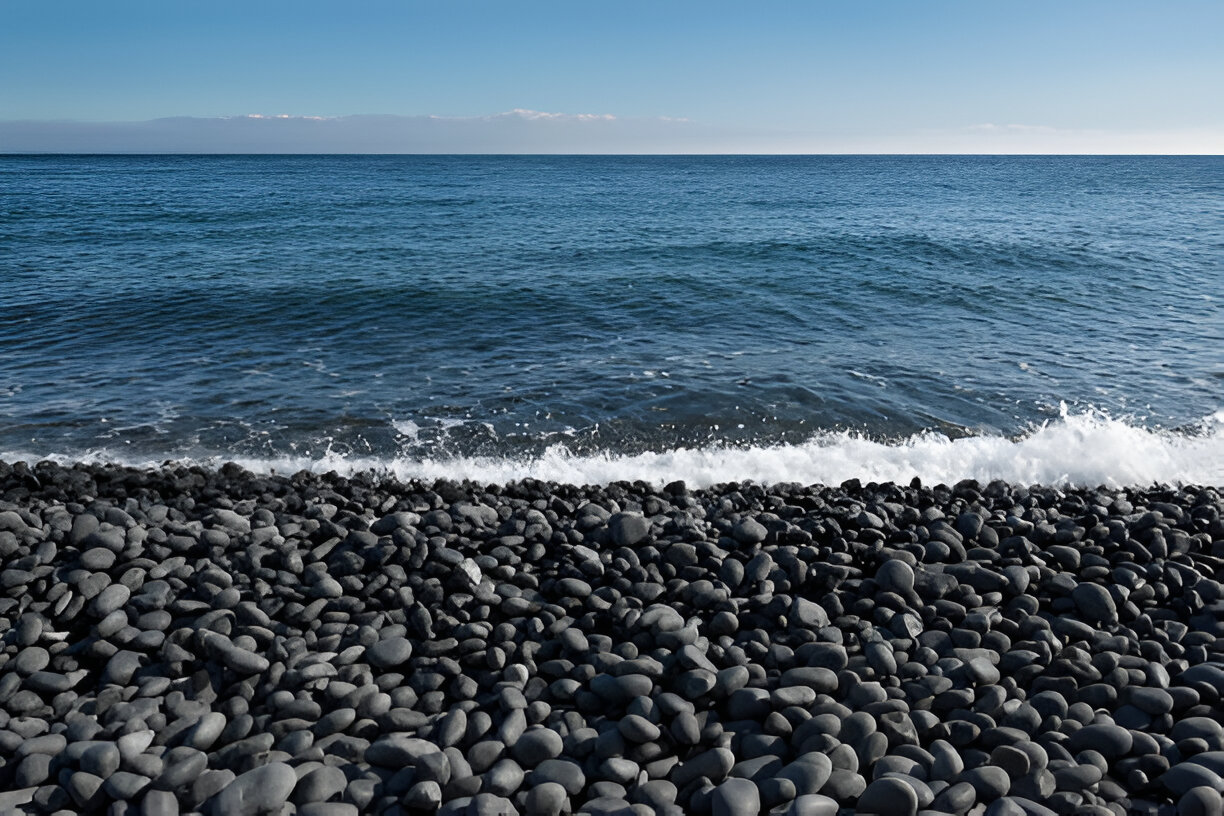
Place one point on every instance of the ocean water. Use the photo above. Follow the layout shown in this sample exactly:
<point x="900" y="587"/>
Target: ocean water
<point x="811" y="319"/>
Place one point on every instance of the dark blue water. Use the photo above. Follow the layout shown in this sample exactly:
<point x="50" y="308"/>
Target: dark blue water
<point x="420" y="311"/>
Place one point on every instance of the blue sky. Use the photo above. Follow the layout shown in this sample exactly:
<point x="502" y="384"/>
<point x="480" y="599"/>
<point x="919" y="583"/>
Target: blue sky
<point x="928" y="76"/>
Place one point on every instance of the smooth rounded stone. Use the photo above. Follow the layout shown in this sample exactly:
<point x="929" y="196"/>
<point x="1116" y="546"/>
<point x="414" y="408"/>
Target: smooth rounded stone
<point x="110" y="599"/>
<point x="546" y="799"/>
<point x="636" y="728"/>
<point x="808" y="614"/>
<point x="1077" y="777"/>
<point x="801" y="696"/>
<point x="809" y="773"/>
<point x="159" y="803"/>
<point x="821" y="655"/>
<point x="749" y="531"/>
<point x="398" y="749"/>
<point x="775" y="791"/>
<point x="947" y="764"/>
<point x="989" y="781"/>
<point x="736" y="797"/>
<point x="727" y="681"/>
<point x="537" y="745"/>
<point x="257" y="791"/>
<point x="435" y="766"/>
<point x="843" y="785"/>
<point x="567" y="774"/>
<point x="1212" y="760"/>
<point x="713" y="764"/>
<point x="956" y="798"/>
<point x="204" y="733"/>
<point x="1186" y="775"/>
<point x="182" y="767"/>
<point x="813" y="804"/>
<point x="1112" y="741"/>
<point x="389" y="653"/>
<point x="85" y="790"/>
<point x="894" y="575"/>
<point x="1011" y="759"/>
<point x="888" y="796"/>
<point x="819" y="679"/>
<point x="240" y="660"/>
<point x="983" y="672"/>
<point x="504" y="778"/>
<point x="98" y="559"/>
<point x="124" y="786"/>
<point x="30" y="660"/>
<point x="424" y="795"/>
<point x="328" y="809"/>
<point x="320" y="785"/>
<point x="1200" y="801"/>
<point x="490" y="804"/>
<point x="32" y="771"/>
<point x="121" y="667"/>
<point x="1095" y="603"/>
<point x="1154" y="701"/>
<point x="619" y="770"/>
<point x="101" y="759"/>
<point x="1038" y="784"/>
<point x="1004" y="807"/>
<point x="628" y="529"/>
<point x="1201" y="727"/>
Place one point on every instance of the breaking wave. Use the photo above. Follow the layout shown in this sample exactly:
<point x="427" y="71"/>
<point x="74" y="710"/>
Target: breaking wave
<point x="1077" y="449"/>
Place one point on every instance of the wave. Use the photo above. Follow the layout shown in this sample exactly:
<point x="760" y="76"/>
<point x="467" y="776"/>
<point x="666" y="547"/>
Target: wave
<point x="1087" y="449"/>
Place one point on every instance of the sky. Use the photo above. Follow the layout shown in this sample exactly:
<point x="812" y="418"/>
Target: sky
<point x="667" y="76"/>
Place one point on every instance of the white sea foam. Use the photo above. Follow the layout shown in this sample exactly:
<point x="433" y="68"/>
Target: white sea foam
<point x="1084" y="449"/>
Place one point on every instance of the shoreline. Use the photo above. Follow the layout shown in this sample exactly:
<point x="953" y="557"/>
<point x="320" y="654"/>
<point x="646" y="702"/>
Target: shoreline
<point x="210" y="640"/>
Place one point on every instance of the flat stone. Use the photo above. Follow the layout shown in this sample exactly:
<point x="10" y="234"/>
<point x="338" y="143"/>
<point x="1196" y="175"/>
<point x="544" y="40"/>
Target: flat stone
<point x="1112" y="741"/>
<point x="749" y="531"/>
<point x="389" y="653"/>
<point x="398" y="750"/>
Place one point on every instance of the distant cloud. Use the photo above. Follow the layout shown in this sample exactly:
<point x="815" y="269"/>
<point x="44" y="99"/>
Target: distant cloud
<point x="523" y="130"/>
<point x="520" y="130"/>
<point x="523" y="113"/>
<point x="993" y="128"/>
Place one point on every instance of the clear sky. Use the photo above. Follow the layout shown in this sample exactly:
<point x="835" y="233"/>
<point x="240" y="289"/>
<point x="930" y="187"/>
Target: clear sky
<point x="815" y="76"/>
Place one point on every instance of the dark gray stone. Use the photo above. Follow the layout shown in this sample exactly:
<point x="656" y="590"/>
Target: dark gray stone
<point x="257" y="791"/>
<point x="736" y="797"/>
<point x="888" y="797"/>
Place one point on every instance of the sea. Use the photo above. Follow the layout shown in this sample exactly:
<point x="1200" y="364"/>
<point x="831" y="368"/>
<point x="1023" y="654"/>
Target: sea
<point x="587" y="319"/>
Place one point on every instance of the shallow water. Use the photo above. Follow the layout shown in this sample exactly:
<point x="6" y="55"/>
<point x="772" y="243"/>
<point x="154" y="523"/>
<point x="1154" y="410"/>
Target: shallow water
<point x="590" y="318"/>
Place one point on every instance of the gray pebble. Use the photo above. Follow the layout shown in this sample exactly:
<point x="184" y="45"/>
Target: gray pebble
<point x="257" y="791"/>
<point x="736" y="797"/>
<point x="888" y="797"/>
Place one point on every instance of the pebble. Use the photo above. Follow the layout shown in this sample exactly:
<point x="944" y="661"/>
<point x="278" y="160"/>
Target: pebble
<point x="213" y="641"/>
<point x="888" y="796"/>
<point x="257" y="791"/>
<point x="736" y="797"/>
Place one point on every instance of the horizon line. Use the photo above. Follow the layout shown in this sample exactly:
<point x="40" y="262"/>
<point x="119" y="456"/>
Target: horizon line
<point x="435" y="154"/>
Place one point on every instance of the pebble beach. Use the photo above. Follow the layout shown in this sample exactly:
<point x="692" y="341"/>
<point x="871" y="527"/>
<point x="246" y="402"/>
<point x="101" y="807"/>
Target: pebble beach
<point x="194" y="640"/>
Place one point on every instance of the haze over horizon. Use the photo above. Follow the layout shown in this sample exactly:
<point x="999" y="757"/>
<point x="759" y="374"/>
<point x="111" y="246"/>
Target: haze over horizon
<point x="551" y="77"/>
